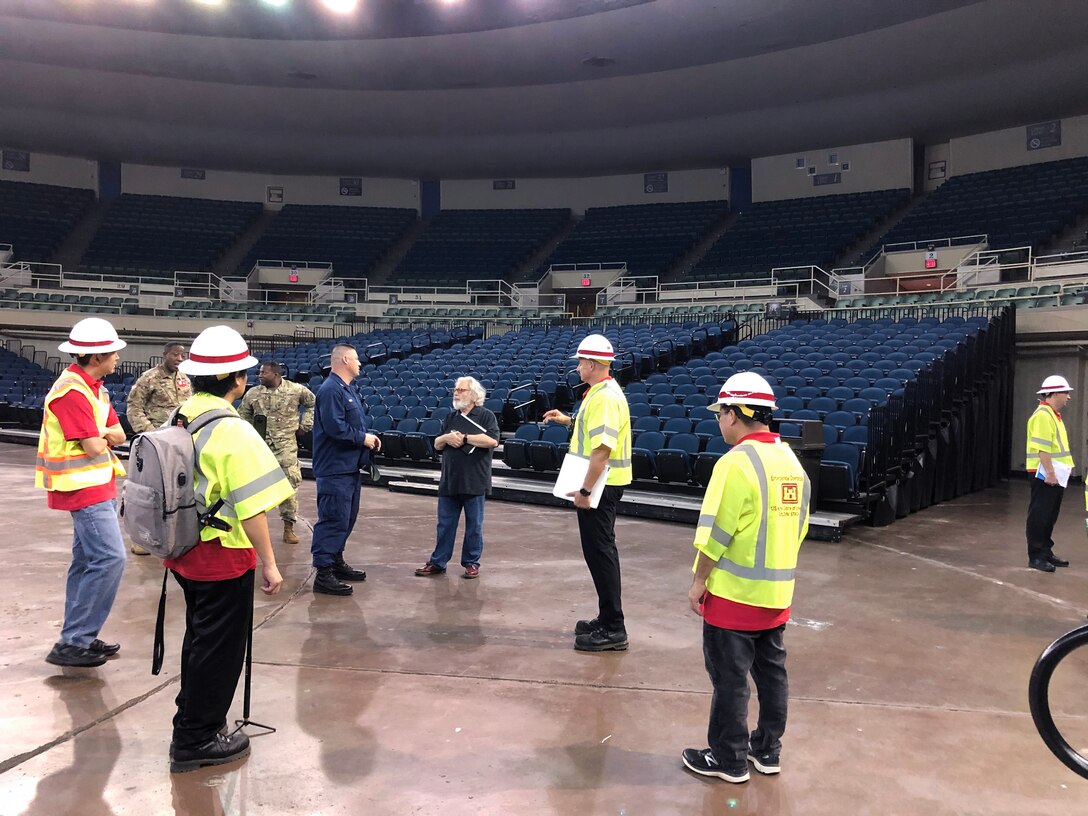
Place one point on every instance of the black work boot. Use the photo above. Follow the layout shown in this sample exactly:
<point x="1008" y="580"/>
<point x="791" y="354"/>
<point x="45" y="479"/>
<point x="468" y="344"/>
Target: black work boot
<point x="327" y="583"/>
<point x="219" y="750"/>
<point x="344" y="571"/>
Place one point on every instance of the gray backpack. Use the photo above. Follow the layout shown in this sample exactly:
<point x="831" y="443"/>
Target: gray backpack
<point x="159" y="507"/>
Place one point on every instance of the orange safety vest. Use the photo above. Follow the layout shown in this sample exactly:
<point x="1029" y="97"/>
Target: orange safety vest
<point x="63" y="464"/>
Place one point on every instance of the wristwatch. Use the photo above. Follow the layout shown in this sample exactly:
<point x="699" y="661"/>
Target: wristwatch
<point x="584" y="492"/>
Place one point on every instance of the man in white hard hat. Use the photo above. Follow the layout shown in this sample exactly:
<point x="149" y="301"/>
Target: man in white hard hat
<point x="602" y="434"/>
<point x="78" y="468"/>
<point x="217" y="575"/>
<point x="753" y="519"/>
<point x="1049" y="462"/>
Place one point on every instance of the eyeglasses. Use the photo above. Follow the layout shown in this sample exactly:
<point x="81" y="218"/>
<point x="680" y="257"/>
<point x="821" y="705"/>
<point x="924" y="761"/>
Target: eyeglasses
<point x="460" y="390"/>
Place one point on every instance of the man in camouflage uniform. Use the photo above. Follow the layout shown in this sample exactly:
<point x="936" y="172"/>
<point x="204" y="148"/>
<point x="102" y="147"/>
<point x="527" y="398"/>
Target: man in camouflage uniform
<point x="273" y="409"/>
<point x="156" y="394"/>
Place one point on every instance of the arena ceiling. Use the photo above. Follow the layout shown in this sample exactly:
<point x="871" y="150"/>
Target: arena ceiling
<point x="516" y="88"/>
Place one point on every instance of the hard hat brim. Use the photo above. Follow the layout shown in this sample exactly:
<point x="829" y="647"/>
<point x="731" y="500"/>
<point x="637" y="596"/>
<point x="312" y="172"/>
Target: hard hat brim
<point x="68" y="348"/>
<point x="598" y="358"/>
<point x="195" y="369"/>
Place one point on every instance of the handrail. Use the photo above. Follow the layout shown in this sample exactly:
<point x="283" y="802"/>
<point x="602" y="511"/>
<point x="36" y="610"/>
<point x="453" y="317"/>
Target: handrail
<point x="284" y="264"/>
<point x="1039" y="698"/>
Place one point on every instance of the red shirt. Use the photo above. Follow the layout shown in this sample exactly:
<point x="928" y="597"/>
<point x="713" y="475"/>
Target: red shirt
<point x="76" y="418"/>
<point x="727" y="614"/>
<point x="211" y="561"/>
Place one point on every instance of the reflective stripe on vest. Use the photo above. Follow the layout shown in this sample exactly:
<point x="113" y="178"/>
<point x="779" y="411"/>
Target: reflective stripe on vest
<point x="62" y="464"/>
<point x="759" y="584"/>
<point x="1055" y="441"/>
<point x="619" y="458"/>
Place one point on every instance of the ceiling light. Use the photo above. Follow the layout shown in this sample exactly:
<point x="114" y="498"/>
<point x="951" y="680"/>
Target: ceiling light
<point x="275" y="2"/>
<point x="341" y="6"/>
<point x="209" y="2"/>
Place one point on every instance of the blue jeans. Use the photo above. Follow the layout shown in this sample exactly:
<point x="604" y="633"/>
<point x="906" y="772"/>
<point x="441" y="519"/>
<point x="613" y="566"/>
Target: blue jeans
<point x="337" y="509"/>
<point x="98" y="559"/>
<point x="730" y="656"/>
<point x="449" y="514"/>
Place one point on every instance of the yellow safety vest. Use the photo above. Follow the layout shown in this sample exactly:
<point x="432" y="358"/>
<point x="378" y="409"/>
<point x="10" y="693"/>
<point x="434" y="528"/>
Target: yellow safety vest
<point x="752" y="522"/>
<point x="62" y="464"/>
<point x="604" y="419"/>
<point x="1046" y="433"/>
<point x="235" y="464"/>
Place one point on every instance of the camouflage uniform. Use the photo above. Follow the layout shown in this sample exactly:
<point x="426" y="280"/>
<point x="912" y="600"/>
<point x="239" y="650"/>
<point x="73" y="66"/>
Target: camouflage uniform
<point x="280" y="405"/>
<point x="155" y="396"/>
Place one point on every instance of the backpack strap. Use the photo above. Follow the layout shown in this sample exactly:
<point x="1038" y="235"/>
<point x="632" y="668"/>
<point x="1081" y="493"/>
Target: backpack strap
<point x="158" y="650"/>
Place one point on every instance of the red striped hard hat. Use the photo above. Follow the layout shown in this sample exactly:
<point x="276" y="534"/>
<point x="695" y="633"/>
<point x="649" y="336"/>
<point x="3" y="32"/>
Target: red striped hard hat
<point x="92" y="335"/>
<point x="217" y="350"/>
<point x="595" y="347"/>
<point x="745" y="388"/>
<point x="1054" y="384"/>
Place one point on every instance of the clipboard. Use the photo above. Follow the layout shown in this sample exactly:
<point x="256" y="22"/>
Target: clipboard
<point x="572" y="475"/>
<point x="463" y="424"/>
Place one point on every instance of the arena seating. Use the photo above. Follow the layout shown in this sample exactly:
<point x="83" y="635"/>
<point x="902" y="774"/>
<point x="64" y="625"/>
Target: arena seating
<point x="154" y="236"/>
<point x="648" y="237"/>
<point x="460" y="245"/>
<point x="1017" y="206"/>
<point x="352" y="239"/>
<point x="795" y="232"/>
<point x="36" y="218"/>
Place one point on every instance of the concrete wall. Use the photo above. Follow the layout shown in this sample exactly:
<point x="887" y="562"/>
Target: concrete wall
<point x="581" y="193"/>
<point x="875" y="166"/>
<point x="1009" y="148"/>
<point x="233" y="186"/>
<point x="66" y="171"/>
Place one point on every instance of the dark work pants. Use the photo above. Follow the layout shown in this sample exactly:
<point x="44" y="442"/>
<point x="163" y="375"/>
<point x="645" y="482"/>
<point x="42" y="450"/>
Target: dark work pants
<point x="598" y="531"/>
<point x="730" y="655"/>
<point x="1043" y="509"/>
<point x="337" y="509"/>
<point x="217" y="620"/>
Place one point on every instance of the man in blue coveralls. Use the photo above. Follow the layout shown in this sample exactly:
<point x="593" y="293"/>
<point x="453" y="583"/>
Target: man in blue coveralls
<point x="342" y="449"/>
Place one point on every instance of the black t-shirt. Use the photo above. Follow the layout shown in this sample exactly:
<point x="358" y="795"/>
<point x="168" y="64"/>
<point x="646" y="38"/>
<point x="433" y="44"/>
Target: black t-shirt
<point x="463" y="473"/>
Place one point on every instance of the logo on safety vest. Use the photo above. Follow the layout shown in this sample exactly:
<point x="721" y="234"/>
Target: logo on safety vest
<point x="790" y="493"/>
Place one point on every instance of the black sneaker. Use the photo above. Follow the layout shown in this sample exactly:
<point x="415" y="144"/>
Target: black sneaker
<point x="766" y="762"/>
<point x="703" y="763"/>
<point x="219" y="750"/>
<point x="344" y="571"/>
<point x="107" y="649"/>
<point x="584" y="627"/>
<point x="65" y="654"/>
<point x="601" y="640"/>
<point x="326" y="583"/>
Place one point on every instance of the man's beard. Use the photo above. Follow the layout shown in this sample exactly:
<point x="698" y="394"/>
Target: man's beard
<point x="461" y="405"/>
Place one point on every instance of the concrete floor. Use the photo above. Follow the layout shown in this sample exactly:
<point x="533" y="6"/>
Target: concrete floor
<point x="910" y="652"/>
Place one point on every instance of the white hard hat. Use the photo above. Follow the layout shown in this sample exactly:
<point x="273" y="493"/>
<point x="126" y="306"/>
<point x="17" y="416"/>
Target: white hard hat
<point x="745" y="388"/>
<point x="595" y="347"/>
<point x="217" y="350"/>
<point x="92" y="335"/>
<point x="1054" y="384"/>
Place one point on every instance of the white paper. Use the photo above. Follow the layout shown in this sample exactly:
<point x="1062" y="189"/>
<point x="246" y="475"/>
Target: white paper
<point x="1062" y="472"/>
<point x="572" y="475"/>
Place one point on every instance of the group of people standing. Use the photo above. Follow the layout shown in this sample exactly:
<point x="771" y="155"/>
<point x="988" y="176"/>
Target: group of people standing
<point x="753" y="519"/>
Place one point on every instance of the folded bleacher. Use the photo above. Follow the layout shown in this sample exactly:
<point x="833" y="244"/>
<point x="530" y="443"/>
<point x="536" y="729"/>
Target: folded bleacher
<point x="352" y="239"/>
<point x="795" y="232"/>
<point x="648" y="237"/>
<point x="36" y="218"/>
<point x="153" y="236"/>
<point x="1015" y="206"/>
<point x="460" y="245"/>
